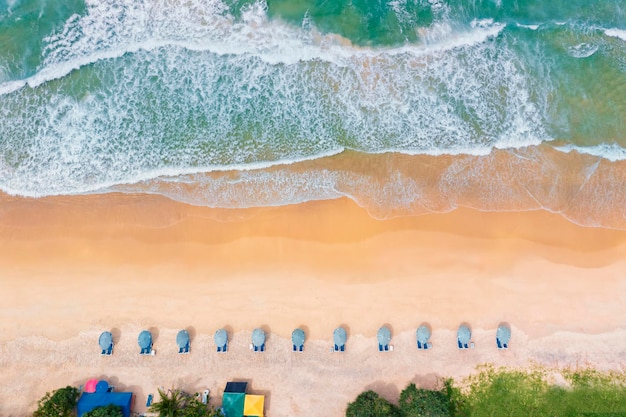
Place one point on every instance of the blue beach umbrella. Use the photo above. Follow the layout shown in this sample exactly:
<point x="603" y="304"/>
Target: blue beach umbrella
<point x="105" y="340"/>
<point x="182" y="338"/>
<point x="423" y="335"/>
<point x="464" y="334"/>
<point x="340" y="336"/>
<point x="258" y="337"/>
<point x="145" y="339"/>
<point x="220" y="338"/>
<point x="297" y="337"/>
<point x="503" y="334"/>
<point x="383" y="336"/>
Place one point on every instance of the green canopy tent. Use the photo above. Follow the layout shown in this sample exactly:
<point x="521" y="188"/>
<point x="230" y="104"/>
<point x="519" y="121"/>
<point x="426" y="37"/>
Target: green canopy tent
<point x="232" y="404"/>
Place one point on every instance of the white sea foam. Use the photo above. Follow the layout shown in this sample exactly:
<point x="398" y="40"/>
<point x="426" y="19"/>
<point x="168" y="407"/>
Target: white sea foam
<point x="612" y="152"/>
<point x="113" y="28"/>
<point x="161" y="98"/>
<point x="531" y="27"/>
<point x="616" y="33"/>
<point x="582" y="50"/>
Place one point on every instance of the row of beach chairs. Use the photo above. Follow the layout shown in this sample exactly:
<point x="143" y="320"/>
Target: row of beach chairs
<point x="298" y="336"/>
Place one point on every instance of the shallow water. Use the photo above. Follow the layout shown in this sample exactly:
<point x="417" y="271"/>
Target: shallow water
<point x="496" y="105"/>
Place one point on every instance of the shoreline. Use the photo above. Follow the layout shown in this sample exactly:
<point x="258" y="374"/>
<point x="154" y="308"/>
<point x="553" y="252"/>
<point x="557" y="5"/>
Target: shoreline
<point x="75" y="266"/>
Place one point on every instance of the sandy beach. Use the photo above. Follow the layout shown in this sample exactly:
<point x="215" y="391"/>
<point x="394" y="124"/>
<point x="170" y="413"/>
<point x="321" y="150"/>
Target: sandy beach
<point x="71" y="267"/>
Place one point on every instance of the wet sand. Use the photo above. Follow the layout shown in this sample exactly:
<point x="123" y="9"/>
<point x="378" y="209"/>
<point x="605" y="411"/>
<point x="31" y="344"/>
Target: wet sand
<point x="71" y="267"/>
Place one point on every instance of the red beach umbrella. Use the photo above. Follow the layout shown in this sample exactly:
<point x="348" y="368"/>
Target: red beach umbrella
<point x="90" y="386"/>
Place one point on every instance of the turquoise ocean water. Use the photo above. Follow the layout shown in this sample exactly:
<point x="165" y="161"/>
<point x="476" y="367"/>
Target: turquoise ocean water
<point x="405" y="106"/>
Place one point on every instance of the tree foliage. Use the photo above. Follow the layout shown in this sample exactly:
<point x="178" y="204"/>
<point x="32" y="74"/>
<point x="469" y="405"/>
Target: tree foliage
<point x="420" y="402"/>
<point x="106" y="411"/>
<point x="506" y="392"/>
<point x="177" y="403"/>
<point x="370" y="404"/>
<point x="59" y="403"/>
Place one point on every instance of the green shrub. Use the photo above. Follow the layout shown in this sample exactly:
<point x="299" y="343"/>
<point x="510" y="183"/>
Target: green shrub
<point x="59" y="403"/>
<point x="420" y="402"/>
<point x="177" y="403"/>
<point x="370" y="404"/>
<point x="106" y="411"/>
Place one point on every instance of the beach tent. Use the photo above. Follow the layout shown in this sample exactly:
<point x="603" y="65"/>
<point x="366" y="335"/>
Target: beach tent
<point x="182" y="340"/>
<point x="106" y="343"/>
<point x="258" y="340"/>
<point x="221" y="340"/>
<point x="236" y="387"/>
<point x="339" y="337"/>
<point x="503" y="336"/>
<point x="102" y="397"/>
<point x="254" y="405"/>
<point x="384" y="337"/>
<point x="423" y="336"/>
<point x="145" y="342"/>
<point x="464" y="336"/>
<point x="232" y="404"/>
<point x="297" y="338"/>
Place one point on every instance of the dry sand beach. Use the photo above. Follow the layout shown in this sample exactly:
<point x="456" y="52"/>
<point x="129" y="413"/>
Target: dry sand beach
<point x="71" y="267"/>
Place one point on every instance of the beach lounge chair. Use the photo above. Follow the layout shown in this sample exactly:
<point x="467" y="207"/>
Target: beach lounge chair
<point x="149" y="400"/>
<point x="205" y="396"/>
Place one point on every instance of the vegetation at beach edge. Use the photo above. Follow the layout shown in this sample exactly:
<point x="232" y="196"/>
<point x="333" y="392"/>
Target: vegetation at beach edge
<point x="534" y="392"/>
<point x="171" y="403"/>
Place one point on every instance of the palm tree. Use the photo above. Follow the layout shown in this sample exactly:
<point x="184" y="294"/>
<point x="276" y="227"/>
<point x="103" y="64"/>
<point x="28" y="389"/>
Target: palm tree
<point x="171" y="403"/>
